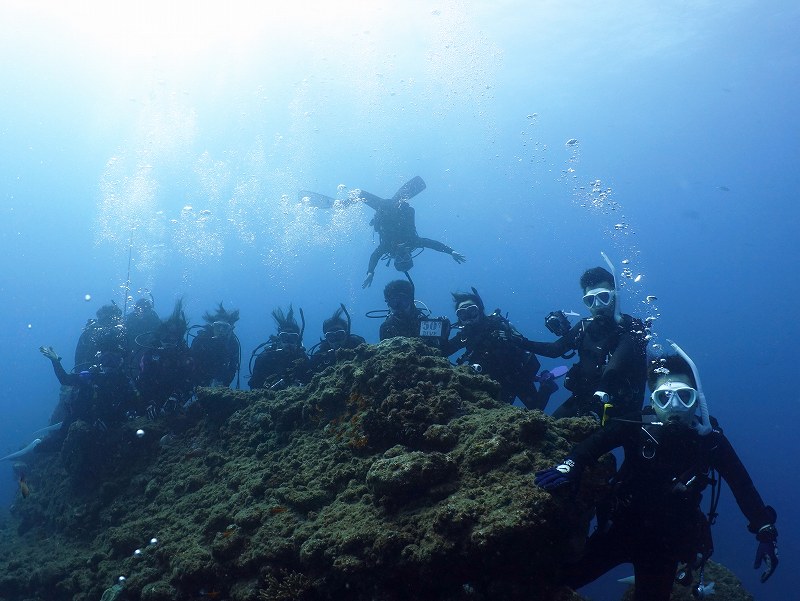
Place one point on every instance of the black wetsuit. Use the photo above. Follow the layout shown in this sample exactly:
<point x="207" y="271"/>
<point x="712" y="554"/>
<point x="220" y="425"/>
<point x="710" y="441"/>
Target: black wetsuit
<point x="104" y="396"/>
<point x="279" y="368"/>
<point x="137" y="326"/>
<point x="98" y="337"/>
<point x="653" y="518"/>
<point x="166" y="377"/>
<point x="611" y="358"/>
<point x="494" y="344"/>
<point x="216" y="360"/>
<point x="325" y="355"/>
<point x="409" y="324"/>
<point x="402" y="324"/>
<point x="395" y="223"/>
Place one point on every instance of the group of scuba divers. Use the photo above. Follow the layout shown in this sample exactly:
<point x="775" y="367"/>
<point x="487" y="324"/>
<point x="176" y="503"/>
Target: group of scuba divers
<point x="139" y="364"/>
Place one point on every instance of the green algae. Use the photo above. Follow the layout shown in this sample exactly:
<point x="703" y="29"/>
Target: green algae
<point x="392" y="475"/>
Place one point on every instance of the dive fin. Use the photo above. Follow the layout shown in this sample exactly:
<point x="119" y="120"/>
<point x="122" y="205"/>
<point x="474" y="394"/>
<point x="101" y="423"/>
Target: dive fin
<point x="410" y="189"/>
<point x="371" y="199"/>
<point x="316" y="200"/>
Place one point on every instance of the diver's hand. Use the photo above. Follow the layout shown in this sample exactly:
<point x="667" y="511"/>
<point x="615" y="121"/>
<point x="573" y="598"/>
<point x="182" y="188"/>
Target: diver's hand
<point x="458" y="257"/>
<point x="50" y="353"/>
<point x="556" y="477"/>
<point x="368" y="281"/>
<point x="767" y="552"/>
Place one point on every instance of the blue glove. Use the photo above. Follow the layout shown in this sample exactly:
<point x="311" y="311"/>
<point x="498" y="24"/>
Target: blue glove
<point x="555" y="477"/>
<point x="767" y="552"/>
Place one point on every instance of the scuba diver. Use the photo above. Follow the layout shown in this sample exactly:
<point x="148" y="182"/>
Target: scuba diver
<point x="140" y="322"/>
<point x="609" y="377"/>
<point x="652" y="517"/>
<point x="103" y="394"/>
<point x="283" y="362"/>
<point x="166" y="372"/>
<point x="493" y="347"/>
<point x="404" y="318"/>
<point x="216" y="351"/>
<point x="394" y="221"/>
<point x="335" y="335"/>
<point x="104" y="334"/>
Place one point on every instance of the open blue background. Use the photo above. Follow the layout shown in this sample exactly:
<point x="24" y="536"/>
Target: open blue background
<point x="182" y="134"/>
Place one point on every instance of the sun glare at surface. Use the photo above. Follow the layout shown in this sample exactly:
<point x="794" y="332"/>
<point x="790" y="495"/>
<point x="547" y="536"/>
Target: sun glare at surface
<point x="180" y="31"/>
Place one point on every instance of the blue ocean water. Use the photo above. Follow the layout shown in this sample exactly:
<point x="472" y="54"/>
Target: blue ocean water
<point x="162" y="149"/>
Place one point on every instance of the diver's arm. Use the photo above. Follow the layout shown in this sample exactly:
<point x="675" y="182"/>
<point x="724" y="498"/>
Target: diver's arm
<point x="552" y="349"/>
<point x="601" y="442"/>
<point x="433" y="245"/>
<point x="375" y="257"/>
<point x="732" y="469"/>
<point x="64" y="378"/>
<point x="627" y="364"/>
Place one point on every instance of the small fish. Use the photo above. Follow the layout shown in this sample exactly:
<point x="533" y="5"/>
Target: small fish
<point x="23" y="486"/>
<point x="277" y="509"/>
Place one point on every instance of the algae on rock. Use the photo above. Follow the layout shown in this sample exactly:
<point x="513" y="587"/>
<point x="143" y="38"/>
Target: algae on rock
<point x="391" y="475"/>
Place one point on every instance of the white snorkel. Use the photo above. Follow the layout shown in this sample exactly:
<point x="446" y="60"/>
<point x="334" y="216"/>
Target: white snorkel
<point x="703" y="425"/>
<point x="617" y="312"/>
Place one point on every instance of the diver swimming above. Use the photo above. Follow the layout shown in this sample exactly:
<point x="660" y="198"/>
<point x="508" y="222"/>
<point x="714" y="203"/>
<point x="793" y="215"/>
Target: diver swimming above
<point x="395" y="223"/>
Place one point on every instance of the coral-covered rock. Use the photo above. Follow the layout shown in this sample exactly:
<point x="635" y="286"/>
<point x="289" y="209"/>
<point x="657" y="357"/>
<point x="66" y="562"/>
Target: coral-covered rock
<point x="392" y="475"/>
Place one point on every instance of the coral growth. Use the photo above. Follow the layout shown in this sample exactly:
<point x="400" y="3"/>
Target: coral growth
<point x="392" y="475"/>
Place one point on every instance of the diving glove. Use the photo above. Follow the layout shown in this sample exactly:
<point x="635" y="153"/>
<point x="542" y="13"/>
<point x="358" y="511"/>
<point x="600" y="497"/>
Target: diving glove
<point x="767" y="552"/>
<point x="555" y="477"/>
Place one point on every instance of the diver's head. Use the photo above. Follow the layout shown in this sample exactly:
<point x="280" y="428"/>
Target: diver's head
<point x="173" y="329"/>
<point x="334" y="332"/>
<point x="469" y="307"/>
<point x="403" y="260"/>
<point x="222" y="321"/>
<point x="142" y="306"/>
<point x="109" y="314"/>
<point x="599" y="293"/>
<point x="289" y="333"/>
<point x="399" y="295"/>
<point x="336" y="329"/>
<point x="674" y="396"/>
<point x="288" y="339"/>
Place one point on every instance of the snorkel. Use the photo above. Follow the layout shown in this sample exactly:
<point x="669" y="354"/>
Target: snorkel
<point x="703" y="425"/>
<point x="346" y="314"/>
<point x="617" y="312"/>
<point x="303" y="326"/>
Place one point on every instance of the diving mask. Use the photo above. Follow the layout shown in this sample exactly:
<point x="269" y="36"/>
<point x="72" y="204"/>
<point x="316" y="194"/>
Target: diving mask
<point x="335" y="337"/>
<point x="674" y="400"/>
<point x="222" y="329"/>
<point x="468" y="313"/>
<point x="290" y="338"/>
<point x="597" y="298"/>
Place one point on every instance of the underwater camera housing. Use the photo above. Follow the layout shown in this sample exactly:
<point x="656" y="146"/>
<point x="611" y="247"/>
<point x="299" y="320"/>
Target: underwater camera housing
<point x="558" y="323"/>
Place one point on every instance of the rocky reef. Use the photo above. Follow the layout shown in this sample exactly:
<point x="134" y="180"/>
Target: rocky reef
<point x="391" y="476"/>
